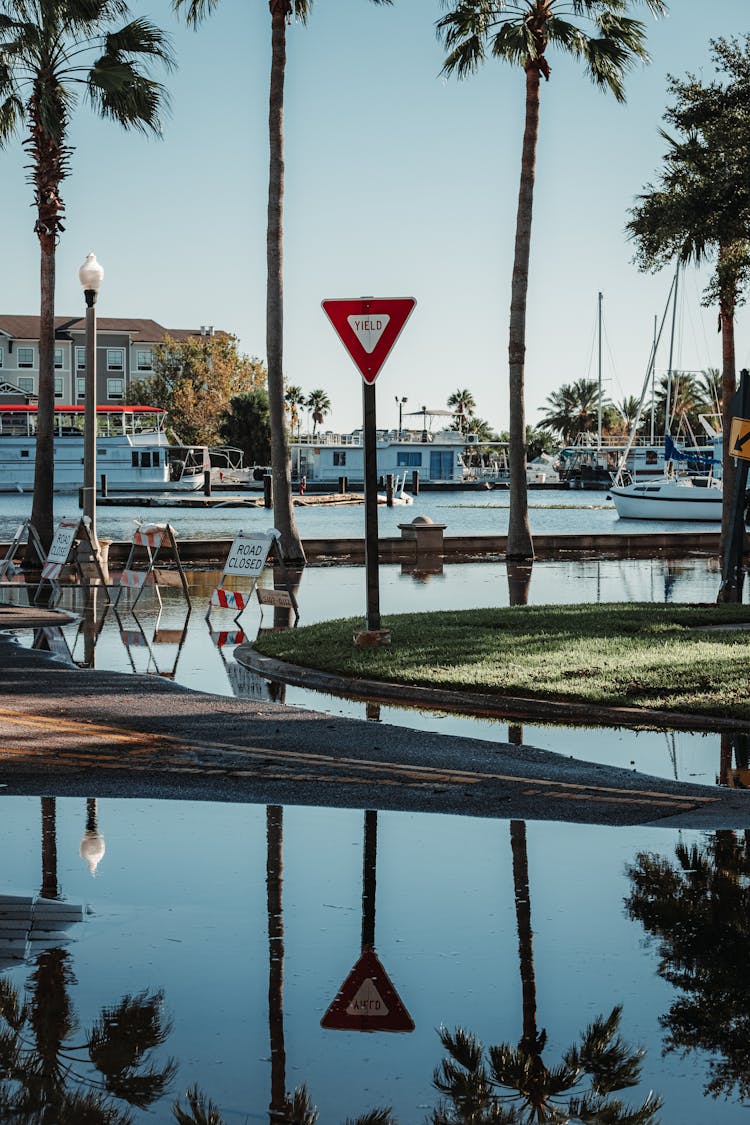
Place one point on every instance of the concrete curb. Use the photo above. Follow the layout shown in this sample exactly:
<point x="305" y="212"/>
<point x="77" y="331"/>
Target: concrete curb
<point x="544" y="711"/>
<point x="29" y="617"/>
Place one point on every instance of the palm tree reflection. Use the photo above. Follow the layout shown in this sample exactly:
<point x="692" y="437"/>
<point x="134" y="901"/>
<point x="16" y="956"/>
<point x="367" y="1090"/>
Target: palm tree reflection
<point x="45" y="1076"/>
<point x="510" y="1085"/>
<point x="697" y="908"/>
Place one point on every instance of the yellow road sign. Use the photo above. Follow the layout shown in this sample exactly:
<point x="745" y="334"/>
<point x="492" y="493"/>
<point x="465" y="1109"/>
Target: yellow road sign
<point x="739" y="438"/>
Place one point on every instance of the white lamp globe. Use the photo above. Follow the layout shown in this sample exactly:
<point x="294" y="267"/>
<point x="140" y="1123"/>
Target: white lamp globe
<point x="91" y="273"/>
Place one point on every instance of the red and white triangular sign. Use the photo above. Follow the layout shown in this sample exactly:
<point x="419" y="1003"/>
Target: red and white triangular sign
<point x="368" y="327"/>
<point x="367" y="1001"/>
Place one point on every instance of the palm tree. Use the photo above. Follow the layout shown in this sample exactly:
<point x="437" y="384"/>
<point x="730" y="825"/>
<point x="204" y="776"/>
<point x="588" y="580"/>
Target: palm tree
<point x="51" y="51"/>
<point x="700" y="209"/>
<point x="520" y="32"/>
<point x="464" y="405"/>
<point x="319" y="404"/>
<point x="282" y="12"/>
<point x="294" y="397"/>
<point x="573" y="409"/>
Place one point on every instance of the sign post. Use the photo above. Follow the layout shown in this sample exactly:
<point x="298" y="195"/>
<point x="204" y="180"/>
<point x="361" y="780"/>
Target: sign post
<point x="368" y="327"/>
<point x="739" y="446"/>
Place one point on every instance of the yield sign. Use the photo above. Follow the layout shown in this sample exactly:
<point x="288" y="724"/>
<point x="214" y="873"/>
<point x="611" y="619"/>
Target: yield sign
<point x="367" y="1001"/>
<point x="368" y="327"/>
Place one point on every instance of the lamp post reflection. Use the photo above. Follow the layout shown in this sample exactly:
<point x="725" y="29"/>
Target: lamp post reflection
<point x="92" y="845"/>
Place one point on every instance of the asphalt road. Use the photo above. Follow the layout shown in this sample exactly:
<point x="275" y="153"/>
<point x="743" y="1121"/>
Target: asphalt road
<point x="68" y="731"/>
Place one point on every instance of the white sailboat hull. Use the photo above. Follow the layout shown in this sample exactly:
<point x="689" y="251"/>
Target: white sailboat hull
<point x="669" y="500"/>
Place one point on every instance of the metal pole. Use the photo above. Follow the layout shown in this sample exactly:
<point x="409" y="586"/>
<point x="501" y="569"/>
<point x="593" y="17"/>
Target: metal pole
<point x="89" y="435"/>
<point x="668" y="407"/>
<point x="599" y="411"/>
<point x="370" y="851"/>
<point x="371" y="505"/>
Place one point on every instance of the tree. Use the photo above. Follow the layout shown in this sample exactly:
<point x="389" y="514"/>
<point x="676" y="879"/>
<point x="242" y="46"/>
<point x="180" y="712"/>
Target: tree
<point x="464" y="405"/>
<point x="319" y="404"/>
<point x="194" y="380"/>
<point x="520" y="32"/>
<point x="50" y="52"/>
<point x="282" y="12"/>
<point x="699" y="210"/>
<point x="294" y="397"/>
<point x="696" y="907"/>
<point x="246" y="424"/>
<point x="574" y="409"/>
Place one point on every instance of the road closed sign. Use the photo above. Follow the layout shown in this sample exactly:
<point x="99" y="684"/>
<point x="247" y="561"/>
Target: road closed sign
<point x="247" y="555"/>
<point x="63" y="540"/>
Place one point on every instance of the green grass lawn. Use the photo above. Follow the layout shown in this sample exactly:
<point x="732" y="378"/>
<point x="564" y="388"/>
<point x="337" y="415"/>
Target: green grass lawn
<point x="632" y="654"/>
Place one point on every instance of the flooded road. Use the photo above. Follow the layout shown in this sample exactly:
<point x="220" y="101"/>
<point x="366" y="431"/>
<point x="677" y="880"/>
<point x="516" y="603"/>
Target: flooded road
<point x="202" y="944"/>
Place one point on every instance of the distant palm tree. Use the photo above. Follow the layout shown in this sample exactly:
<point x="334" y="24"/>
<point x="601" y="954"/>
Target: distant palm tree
<point x="319" y="404"/>
<point x="464" y="405"/>
<point x="520" y="32"/>
<point x="628" y="410"/>
<point x="573" y="409"/>
<point x="50" y="52"/>
<point x="294" y="397"/>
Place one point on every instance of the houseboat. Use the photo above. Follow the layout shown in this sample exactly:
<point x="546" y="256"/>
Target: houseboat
<point x="133" y="450"/>
<point x="437" y="458"/>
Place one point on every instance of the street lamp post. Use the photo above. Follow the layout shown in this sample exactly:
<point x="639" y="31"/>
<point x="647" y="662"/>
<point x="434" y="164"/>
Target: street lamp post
<point x="400" y="402"/>
<point x="90" y="275"/>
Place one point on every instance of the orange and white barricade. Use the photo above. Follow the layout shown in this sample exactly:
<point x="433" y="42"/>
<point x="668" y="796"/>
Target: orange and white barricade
<point x="139" y="572"/>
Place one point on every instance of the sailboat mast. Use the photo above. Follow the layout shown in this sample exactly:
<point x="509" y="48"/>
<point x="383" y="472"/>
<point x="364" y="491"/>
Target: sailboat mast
<point x="599" y="413"/>
<point x="653" y="378"/>
<point x="667" y="416"/>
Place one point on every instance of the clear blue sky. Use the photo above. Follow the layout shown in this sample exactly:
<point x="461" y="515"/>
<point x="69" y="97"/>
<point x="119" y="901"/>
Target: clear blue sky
<point x="398" y="183"/>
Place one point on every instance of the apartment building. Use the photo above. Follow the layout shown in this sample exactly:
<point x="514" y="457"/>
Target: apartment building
<point x="125" y="351"/>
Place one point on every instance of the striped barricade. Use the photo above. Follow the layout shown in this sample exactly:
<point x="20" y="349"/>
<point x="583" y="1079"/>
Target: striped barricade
<point x="230" y="599"/>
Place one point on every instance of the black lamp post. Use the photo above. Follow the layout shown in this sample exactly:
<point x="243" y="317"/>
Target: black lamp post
<point x="400" y="402"/>
<point x="90" y="275"/>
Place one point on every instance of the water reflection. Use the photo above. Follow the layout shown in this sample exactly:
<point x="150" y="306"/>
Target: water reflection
<point x="696" y="907"/>
<point x="243" y="918"/>
<point x="509" y="1084"/>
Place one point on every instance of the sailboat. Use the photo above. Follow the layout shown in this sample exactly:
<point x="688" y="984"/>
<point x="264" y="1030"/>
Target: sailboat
<point x="695" y="495"/>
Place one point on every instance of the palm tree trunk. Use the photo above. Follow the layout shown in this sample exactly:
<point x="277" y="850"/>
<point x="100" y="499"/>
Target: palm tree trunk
<point x="728" y="391"/>
<point x="274" y="880"/>
<point x="291" y="546"/>
<point x="519" y="545"/>
<point x="530" y="1037"/>
<point x="44" y="466"/>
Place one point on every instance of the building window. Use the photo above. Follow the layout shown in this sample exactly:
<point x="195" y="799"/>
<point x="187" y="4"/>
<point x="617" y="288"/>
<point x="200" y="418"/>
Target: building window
<point x="58" y="386"/>
<point x="25" y="357"/>
<point x="58" y="358"/>
<point x="339" y="458"/>
<point x="81" y="388"/>
<point x="115" y="359"/>
<point x="26" y="384"/>
<point x="409" y="458"/>
<point x="144" y="360"/>
<point x="115" y="388"/>
<point x="2" y="357"/>
<point x="81" y="359"/>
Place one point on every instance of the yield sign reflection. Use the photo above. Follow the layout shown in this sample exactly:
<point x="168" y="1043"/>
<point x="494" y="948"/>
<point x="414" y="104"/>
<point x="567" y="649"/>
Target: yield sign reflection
<point x="368" y="327"/>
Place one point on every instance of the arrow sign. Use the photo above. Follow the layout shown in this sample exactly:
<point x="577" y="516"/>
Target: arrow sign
<point x="367" y="1001"/>
<point x="368" y="327"/>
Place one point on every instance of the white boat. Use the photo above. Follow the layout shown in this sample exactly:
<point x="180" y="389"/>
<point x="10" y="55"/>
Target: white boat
<point x="133" y="450"/>
<point x="678" y="498"/>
